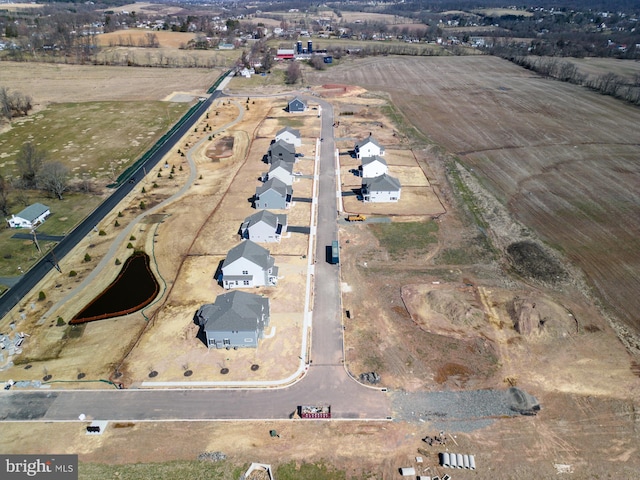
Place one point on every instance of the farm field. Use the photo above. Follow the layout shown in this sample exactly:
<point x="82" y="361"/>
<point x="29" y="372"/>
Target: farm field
<point x="562" y="158"/>
<point x="84" y="83"/>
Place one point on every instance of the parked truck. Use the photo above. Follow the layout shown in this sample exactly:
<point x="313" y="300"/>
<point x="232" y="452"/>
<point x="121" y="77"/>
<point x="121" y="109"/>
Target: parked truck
<point x="314" y="411"/>
<point x="356" y="218"/>
<point x="335" y="253"/>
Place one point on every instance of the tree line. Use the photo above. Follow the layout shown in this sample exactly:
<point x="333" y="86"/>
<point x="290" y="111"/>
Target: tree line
<point x="564" y="70"/>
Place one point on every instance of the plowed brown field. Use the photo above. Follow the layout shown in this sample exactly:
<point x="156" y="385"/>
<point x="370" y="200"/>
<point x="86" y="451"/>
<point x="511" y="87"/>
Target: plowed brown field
<point x="562" y="158"/>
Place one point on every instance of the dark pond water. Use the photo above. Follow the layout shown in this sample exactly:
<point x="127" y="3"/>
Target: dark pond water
<point x="133" y="289"/>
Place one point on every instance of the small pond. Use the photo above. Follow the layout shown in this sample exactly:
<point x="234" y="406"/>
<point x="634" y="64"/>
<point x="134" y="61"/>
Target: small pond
<point x="133" y="289"/>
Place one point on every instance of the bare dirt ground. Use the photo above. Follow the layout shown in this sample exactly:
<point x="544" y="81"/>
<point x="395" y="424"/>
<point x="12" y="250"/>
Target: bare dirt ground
<point x="454" y="317"/>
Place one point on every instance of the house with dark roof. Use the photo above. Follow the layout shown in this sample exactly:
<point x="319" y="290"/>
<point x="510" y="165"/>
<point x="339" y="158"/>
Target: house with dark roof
<point x="235" y="320"/>
<point x="249" y="265"/>
<point x="289" y="135"/>
<point x="281" y="170"/>
<point x="281" y="150"/>
<point x="369" y="147"/>
<point x="30" y="217"/>
<point x="274" y="194"/>
<point x="384" y="188"/>
<point x="264" y="227"/>
<point x="296" y="105"/>
<point x="373" y="167"/>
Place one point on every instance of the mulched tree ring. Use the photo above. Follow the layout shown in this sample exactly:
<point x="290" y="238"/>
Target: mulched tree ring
<point x="27" y="367"/>
<point x="255" y="367"/>
<point x="46" y="378"/>
<point x="153" y="374"/>
<point x="81" y="376"/>
<point x="117" y="375"/>
<point x="188" y="373"/>
<point x="224" y="371"/>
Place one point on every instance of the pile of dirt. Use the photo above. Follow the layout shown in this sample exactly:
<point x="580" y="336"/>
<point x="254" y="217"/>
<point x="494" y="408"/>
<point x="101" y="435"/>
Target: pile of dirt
<point x="458" y="311"/>
<point x="536" y="317"/>
<point x="522" y="402"/>
<point x="531" y="260"/>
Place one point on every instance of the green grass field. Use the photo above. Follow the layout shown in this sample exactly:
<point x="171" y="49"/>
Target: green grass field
<point x="96" y="140"/>
<point x="401" y="238"/>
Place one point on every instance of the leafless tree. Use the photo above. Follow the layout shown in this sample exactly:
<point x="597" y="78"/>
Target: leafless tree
<point x="317" y="62"/>
<point x="4" y="193"/>
<point x="5" y="103"/>
<point x="30" y="161"/>
<point x="293" y="73"/>
<point x="53" y="178"/>
<point x="13" y="103"/>
<point x="21" y="103"/>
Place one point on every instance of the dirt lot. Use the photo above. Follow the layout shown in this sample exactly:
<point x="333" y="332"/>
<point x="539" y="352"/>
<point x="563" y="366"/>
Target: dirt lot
<point x="452" y="317"/>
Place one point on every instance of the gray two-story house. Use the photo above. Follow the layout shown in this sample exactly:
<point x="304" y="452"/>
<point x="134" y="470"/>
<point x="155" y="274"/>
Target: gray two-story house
<point x="274" y="194"/>
<point x="264" y="227"/>
<point x="235" y="320"/>
<point x="249" y="265"/>
<point x="384" y="188"/>
<point x="281" y="150"/>
<point x="281" y="170"/>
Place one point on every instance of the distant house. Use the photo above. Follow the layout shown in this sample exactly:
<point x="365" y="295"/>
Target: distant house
<point x="247" y="72"/>
<point x="368" y="147"/>
<point x="282" y="171"/>
<point x="274" y="194"/>
<point x="226" y="46"/>
<point x="30" y="217"/>
<point x="296" y="105"/>
<point x="264" y="227"/>
<point x="373" y="166"/>
<point x="384" y="188"/>
<point x="249" y="265"/>
<point x="281" y="150"/>
<point x="234" y="320"/>
<point x="289" y="135"/>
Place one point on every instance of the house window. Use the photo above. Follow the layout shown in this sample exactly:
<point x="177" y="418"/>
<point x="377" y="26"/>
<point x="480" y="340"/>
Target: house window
<point x="246" y="282"/>
<point x="245" y="272"/>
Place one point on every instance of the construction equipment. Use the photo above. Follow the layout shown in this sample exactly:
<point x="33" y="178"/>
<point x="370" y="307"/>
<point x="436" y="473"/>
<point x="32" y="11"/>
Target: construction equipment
<point x="356" y="218"/>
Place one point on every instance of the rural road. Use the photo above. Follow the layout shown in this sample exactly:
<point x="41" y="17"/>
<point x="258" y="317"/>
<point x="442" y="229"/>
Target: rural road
<point x="325" y="383"/>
